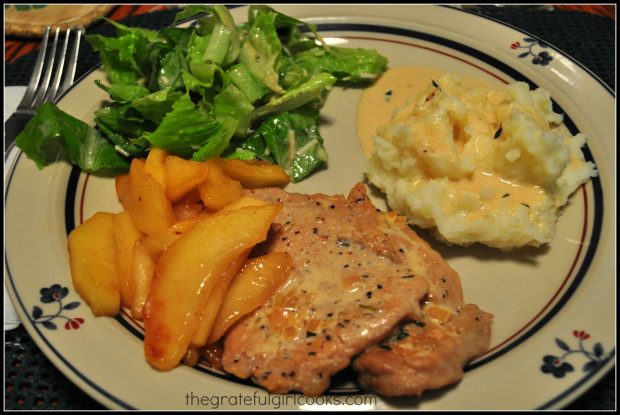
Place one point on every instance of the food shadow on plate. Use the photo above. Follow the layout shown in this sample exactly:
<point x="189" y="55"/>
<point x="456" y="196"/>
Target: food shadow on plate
<point x="413" y="402"/>
<point x="345" y="382"/>
<point x="523" y="255"/>
<point x="324" y="122"/>
<point x="355" y="84"/>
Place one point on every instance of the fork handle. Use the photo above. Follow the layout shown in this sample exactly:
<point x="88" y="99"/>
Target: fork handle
<point x="13" y="126"/>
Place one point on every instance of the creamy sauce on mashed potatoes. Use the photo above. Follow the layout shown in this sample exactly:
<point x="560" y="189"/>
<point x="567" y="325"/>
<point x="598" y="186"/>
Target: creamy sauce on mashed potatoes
<point x="469" y="161"/>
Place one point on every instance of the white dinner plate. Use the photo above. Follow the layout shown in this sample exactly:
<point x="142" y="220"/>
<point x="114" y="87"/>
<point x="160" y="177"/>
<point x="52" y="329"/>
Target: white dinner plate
<point x="554" y="327"/>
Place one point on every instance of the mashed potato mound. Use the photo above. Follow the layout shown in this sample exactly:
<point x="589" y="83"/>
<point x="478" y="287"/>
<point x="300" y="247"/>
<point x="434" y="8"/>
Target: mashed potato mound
<point x="479" y="164"/>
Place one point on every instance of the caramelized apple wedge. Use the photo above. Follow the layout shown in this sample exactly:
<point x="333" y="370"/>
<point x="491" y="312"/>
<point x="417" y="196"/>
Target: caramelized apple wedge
<point x="244" y="201"/>
<point x="156" y="245"/>
<point x="146" y="252"/>
<point x="94" y="269"/>
<point x="145" y="200"/>
<point x="252" y="287"/>
<point x="218" y="190"/>
<point x="126" y="234"/>
<point x="188" y="206"/>
<point x="155" y="165"/>
<point x="183" y="176"/>
<point x="186" y="274"/>
<point x="184" y="225"/>
<point x="121" y="184"/>
<point x="143" y="269"/>
<point x="254" y="173"/>
<point x="209" y="313"/>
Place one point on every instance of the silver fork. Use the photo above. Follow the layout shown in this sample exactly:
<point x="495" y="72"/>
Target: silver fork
<point x="39" y="90"/>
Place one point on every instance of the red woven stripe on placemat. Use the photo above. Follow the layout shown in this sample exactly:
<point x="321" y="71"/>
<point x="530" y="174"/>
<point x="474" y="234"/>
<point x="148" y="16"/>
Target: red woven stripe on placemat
<point x="603" y="10"/>
<point x="20" y="49"/>
<point x="10" y="47"/>
<point x="149" y="8"/>
<point x="133" y="10"/>
<point x="122" y="12"/>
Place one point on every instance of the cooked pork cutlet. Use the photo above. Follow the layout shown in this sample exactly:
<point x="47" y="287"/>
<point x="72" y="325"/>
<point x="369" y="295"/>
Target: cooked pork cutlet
<point x="358" y="273"/>
<point x="427" y="354"/>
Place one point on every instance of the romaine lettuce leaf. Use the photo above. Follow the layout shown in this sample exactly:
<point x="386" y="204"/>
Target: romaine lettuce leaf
<point x="185" y="129"/>
<point x="219" y="140"/>
<point x="122" y="30"/>
<point x="123" y="119"/>
<point x="219" y="42"/>
<point x="122" y="124"/>
<point x="118" y="55"/>
<point x="123" y="93"/>
<point x="291" y="74"/>
<point x="121" y="55"/>
<point x="172" y="64"/>
<point x="293" y="140"/>
<point x="233" y="104"/>
<point x="296" y="97"/>
<point x="155" y="106"/>
<point x="191" y="83"/>
<point x="123" y="145"/>
<point x="261" y="50"/>
<point x="53" y="134"/>
<point x="346" y="64"/>
<point x="235" y="40"/>
<point x="190" y="11"/>
<point x="197" y="47"/>
<point x="247" y="83"/>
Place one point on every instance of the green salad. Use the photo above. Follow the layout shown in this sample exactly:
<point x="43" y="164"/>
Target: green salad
<point x="217" y="88"/>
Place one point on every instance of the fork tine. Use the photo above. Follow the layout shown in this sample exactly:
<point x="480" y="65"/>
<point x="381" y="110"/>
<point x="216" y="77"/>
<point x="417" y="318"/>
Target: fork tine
<point x="38" y="99"/>
<point x="51" y="93"/>
<point x="68" y="81"/>
<point x="36" y="74"/>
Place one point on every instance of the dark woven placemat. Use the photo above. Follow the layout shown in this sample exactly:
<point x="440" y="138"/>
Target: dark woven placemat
<point x="32" y="381"/>
<point x="587" y="38"/>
